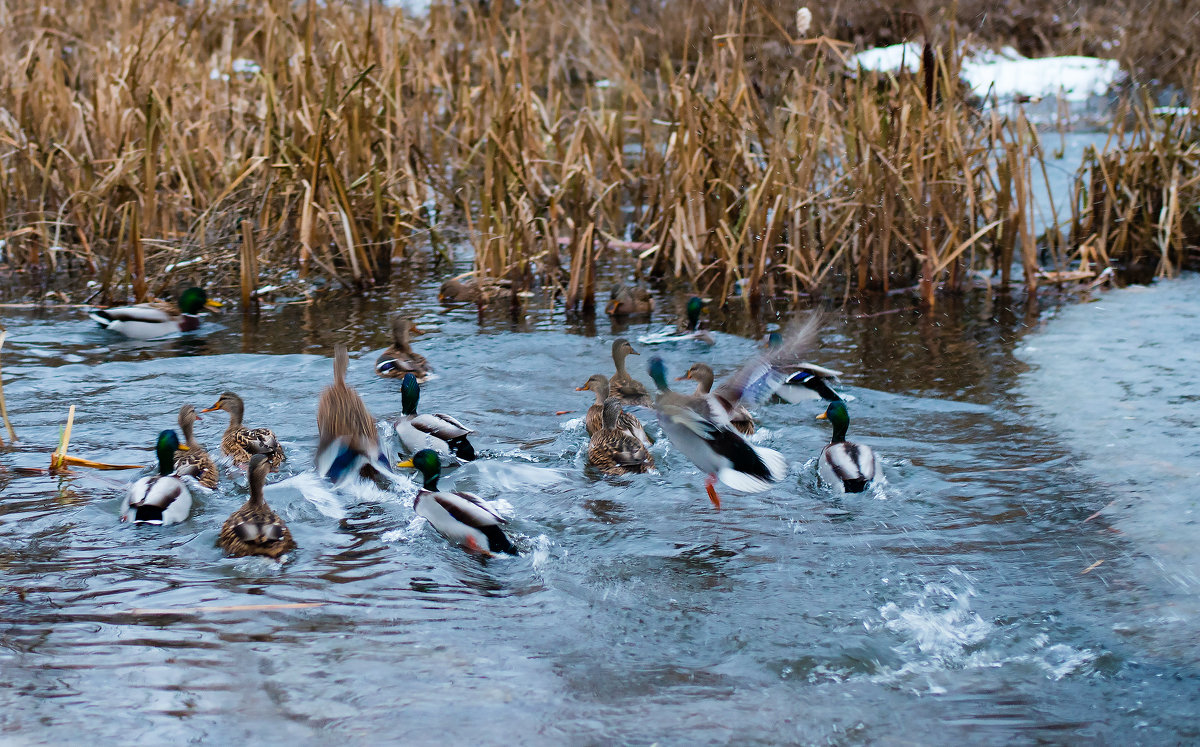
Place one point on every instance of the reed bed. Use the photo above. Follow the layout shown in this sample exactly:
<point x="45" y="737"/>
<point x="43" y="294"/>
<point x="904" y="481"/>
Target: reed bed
<point x="148" y="143"/>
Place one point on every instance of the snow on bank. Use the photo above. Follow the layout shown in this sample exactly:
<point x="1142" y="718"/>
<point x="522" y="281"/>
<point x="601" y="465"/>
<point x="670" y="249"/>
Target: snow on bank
<point x="1007" y="74"/>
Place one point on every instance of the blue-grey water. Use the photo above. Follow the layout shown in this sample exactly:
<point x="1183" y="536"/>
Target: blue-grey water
<point x="948" y="604"/>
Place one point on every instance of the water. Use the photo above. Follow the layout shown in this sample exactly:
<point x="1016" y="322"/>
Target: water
<point x="950" y="598"/>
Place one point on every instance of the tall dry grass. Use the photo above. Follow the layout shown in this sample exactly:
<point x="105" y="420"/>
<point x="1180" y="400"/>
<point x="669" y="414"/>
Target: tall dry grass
<point x="149" y="141"/>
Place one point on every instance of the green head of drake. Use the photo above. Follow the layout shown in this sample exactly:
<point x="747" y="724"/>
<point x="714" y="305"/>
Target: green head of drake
<point x="193" y="300"/>
<point x="837" y="415"/>
<point x="427" y="463"/>
<point x="165" y="447"/>
<point x="695" y="305"/>
<point x="410" y="394"/>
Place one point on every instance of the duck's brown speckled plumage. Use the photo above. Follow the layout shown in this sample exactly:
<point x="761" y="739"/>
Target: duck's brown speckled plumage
<point x="623" y="386"/>
<point x="239" y="442"/>
<point x="400" y="358"/>
<point x="594" y="420"/>
<point x="254" y="529"/>
<point x="615" y="452"/>
<point x="195" y="460"/>
<point x="627" y="300"/>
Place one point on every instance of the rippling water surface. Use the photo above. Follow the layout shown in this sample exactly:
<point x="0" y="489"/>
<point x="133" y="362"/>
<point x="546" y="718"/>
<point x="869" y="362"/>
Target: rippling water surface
<point x="950" y="600"/>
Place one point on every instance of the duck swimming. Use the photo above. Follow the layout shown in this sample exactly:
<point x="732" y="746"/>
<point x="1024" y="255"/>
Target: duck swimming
<point x="349" y="439"/>
<point x="462" y="518"/>
<point x="239" y="442"/>
<point x="623" y="386"/>
<point x="441" y="433"/>
<point x="688" y="329"/>
<point x="163" y="498"/>
<point x="400" y="358"/>
<point x="254" y="529"/>
<point x="846" y="465"/>
<point x="195" y="458"/>
<point x="148" y="321"/>
<point x="612" y="449"/>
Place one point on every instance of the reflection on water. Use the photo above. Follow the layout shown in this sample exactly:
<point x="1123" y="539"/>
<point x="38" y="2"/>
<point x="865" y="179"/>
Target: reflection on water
<point x="952" y="595"/>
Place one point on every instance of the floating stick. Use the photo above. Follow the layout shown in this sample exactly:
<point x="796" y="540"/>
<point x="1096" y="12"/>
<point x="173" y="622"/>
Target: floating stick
<point x="12" y="435"/>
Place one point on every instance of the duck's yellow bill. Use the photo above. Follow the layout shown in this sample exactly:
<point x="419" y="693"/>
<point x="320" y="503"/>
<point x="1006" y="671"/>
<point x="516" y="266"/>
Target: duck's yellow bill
<point x="407" y="463"/>
<point x="210" y="303"/>
<point x="822" y="417"/>
<point x="183" y="447"/>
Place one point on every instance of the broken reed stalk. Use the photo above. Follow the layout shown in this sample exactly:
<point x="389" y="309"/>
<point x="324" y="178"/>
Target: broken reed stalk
<point x="58" y="461"/>
<point x="249" y="267"/>
<point x="12" y="434"/>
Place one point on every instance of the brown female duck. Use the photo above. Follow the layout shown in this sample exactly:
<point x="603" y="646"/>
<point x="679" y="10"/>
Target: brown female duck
<point x="612" y="450"/>
<point x="195" y="456"/>
<point x="349" y="440"/>
<point x="400" y="359"/>
<point x="254" y="529"/>
<point x="238" y="440"/>
<point x="622" y="385"/>
<point x="738" y="415"/>
<point x="594" y="420"/>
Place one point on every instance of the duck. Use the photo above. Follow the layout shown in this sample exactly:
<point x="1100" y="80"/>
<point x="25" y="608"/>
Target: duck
<point x="623" y="386"/>
<point x="238" y="439"/>
<point x="594" y="420"/>
<point x="613" y="450"/>
<point x="254" y="529"/>
<point x="806" y="381"/>
<point x="163" y="498"/>
<point x="629" y="301"/>
<point x="739" y="416"/>
<point x="475" y="290"/>
<point x="441" y="433"/>
<point x="462" y="518"/>
<point x="348" y="438"/>
<point x="688" y="329"/>
<point x="148" y="321"/>
<point x="195" y="454"/>
<point x="400" y="359"/>
<point x="844" y="464"/>
<point x="702" y="431"/>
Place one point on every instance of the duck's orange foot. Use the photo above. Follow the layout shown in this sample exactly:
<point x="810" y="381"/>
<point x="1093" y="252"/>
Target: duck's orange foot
<point x="710" y="485"/>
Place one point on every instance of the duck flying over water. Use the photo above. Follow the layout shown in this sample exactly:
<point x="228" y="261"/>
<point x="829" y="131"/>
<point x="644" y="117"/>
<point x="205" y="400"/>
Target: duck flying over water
<point x="806" y="380"/>
<point x="439" y="432"/>
<point x="400" y="358"/>
<point x="254" y="529"/>
<point x="149" y="321"/>
<point x="738" y="415"/>
<point x="462" y="518"/>
<point x="348" y="439"/>
<point x="845" y="465"/>
<point x="163" y="498"/>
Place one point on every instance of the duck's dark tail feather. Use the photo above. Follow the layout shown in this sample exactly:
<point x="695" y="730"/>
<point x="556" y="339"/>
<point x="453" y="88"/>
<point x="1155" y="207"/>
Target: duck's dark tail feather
<point x="147" y="514"/>
<point x="462" y="448"/>
<point x="497" y="540"/>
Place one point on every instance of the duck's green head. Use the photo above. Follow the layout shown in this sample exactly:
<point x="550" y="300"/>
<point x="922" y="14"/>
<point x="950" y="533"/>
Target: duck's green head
<point x="695" y="305"/>
<point x="165" y="448"/>
<point x="427" y="463"/>
<point x="658" y="372"/>
<point x="837" y="415"/>
<point x="193" y="300"/>
<point x="410" y="394"/>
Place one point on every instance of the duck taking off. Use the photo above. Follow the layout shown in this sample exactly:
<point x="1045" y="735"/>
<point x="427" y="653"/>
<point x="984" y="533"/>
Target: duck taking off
<point x="349" y="440"/>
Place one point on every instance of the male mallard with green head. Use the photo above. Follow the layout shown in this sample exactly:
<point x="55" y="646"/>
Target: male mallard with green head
<point x="440" y="432"/>
<point x="462" y="518"/>
<point x="844" y="464"/>
<point x="147" y="321"/>
<point x="162" y="498"/>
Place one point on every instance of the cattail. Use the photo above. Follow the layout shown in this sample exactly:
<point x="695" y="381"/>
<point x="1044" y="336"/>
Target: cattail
<point x="803" y="21"/>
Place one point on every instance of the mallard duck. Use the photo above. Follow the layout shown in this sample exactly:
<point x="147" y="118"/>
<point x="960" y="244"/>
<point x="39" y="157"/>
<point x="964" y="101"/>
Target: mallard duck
<point x="254" y="529"/>
<point x="439" y="432"/>
<point x="845" y="464"/>
<point x="238" y="439"/>
<point x="349" y="440"/>
<point x="703" y="433"/>
<point x="162" y="498"/>
<point x="805" y="380"/>
<point x="147" y="321"/>
<point x="738" y="415"/>
<point x="195" y="455"/>
<point x="623" y="386"/>
<point x="613" y="450"/>
<point x="628" y="301"/>
<point x="594" y="420"/>
<point x="400" y="359"/>
<point x="462" y="518"/>
<point x="687" y="329"/>
<point x="475" y="290"/>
